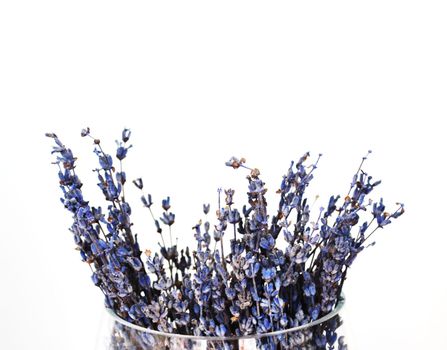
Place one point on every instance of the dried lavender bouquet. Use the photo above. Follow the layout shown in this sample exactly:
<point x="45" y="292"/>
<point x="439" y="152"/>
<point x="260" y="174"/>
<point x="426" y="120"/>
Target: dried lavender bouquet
<point x="256" y="287"/>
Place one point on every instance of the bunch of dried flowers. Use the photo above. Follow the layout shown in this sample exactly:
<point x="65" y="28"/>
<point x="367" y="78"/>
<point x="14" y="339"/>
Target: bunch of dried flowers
<point x="256" y="287"/>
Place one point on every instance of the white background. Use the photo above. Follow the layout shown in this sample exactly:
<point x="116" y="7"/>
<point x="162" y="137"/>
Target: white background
<point x="198" y="82"/>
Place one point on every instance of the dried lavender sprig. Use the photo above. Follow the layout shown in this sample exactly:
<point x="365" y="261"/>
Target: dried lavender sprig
<point x="147" y="203"/>
<point x="120" y="210"/>
<point x="93" y="250"/>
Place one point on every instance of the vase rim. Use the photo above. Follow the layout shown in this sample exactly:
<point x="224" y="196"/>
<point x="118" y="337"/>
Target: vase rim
<point x="325" y="318"/>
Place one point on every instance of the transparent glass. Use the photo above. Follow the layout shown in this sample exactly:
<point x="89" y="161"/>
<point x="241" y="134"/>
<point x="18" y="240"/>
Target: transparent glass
<point x="324" y="333"/>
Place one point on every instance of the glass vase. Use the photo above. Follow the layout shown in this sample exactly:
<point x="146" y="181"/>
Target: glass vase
<point x="324" y="333"/>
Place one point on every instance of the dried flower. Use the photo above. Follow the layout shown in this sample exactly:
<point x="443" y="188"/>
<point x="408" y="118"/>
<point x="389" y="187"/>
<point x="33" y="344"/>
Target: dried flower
<point x="257" y="287"/>
<point x="138" y="183"/>
<point x="168" y="218"/>
<point x="166" y="203"/>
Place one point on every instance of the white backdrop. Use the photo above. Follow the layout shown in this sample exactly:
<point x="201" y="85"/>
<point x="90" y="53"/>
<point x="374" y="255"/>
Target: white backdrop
<point x="198" y="82"/>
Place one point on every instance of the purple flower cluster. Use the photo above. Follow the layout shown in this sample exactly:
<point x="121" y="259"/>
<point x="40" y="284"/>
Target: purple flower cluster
<point x="256" y="287"/>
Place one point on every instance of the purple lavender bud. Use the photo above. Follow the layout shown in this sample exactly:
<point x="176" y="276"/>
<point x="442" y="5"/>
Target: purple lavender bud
<point x="125" y="135"/>
<point x="85" y="132"/>
<point x="166" y="203"/>
<point x="168" y="218"/>
<point x="138" y="182"/>
<point x="268" y="273"/>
